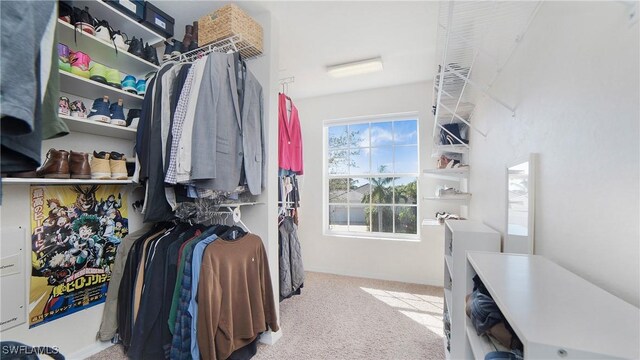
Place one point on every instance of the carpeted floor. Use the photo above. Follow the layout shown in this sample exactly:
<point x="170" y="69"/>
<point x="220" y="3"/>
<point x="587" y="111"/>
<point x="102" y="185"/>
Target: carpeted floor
<point x="340" y="317"/>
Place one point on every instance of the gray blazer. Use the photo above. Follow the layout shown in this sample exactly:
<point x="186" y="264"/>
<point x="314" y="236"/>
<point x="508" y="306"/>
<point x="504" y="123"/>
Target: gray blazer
<point x="222" y="136"/>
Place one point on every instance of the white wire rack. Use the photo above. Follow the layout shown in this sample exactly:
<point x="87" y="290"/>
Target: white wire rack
<point x="475" y="42"/>
<point x="233" y="43"/>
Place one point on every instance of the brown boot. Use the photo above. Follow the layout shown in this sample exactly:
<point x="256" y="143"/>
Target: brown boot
<point x="56" y="165"/>
<point x="79" y="165"/>
<point x="188" y="37"/>
<point x="194" y="39"/>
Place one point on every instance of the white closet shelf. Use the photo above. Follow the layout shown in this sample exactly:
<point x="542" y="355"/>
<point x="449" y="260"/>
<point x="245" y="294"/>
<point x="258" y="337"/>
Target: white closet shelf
<point x="77" y="85"/>
<point x="120" y="21"/>
<point x="453" y="174"/>
<point x="431" y="222"/>
<point x="480" y="345"/>
<point x="43" y="181"/>
<point x="458" y="197"/>
<point x="458" y="149"/>
<point x="98" y="128"/>
<point x="102" y="51"/>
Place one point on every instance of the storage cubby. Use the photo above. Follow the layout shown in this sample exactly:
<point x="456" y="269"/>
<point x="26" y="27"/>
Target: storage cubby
<point x="461" y="236"/>
<point x="555" y="313"/>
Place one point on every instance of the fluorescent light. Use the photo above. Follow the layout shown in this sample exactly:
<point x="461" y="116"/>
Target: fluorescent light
<point x="355" y="68"/>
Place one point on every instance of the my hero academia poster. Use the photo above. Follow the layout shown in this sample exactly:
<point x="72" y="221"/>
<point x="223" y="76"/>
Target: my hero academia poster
<point x="75" y="231"/>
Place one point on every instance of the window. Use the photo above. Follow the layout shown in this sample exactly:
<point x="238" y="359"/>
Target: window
<point x="371" y="178"/>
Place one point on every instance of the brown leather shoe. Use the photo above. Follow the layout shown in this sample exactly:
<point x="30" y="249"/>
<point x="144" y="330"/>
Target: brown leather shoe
<point x="79" y="165"/>
<point x="188" y="37"/>
<point x="56" y="165"/>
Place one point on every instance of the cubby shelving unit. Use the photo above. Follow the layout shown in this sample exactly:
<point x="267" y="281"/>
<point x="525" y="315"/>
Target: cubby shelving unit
<point x="461" y="236"/>
<point x="555" y="313"/>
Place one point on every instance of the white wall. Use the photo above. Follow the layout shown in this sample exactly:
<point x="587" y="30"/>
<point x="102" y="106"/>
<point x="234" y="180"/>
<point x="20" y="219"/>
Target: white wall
<point x="574" y="80"/>
<point x="416" y="262"/>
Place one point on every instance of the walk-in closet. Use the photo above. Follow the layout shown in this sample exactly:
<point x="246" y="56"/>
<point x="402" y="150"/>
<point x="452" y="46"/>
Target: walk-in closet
<point x="319" y="180"/>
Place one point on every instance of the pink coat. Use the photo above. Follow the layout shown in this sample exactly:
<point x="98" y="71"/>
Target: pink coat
<point x="289" y="137"/>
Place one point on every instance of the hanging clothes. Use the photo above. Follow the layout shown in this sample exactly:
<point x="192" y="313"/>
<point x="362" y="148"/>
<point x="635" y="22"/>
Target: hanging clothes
<point x="291" y="267"/>
<point x="289" y="137"/>
<point x="235" y="297"/>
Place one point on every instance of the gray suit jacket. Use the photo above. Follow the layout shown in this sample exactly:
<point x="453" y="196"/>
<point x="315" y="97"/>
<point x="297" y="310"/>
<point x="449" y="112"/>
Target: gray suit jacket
<point x="222" y="136"/>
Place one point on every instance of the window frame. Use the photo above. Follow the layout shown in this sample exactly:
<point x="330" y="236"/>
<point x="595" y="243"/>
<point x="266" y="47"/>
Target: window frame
<point x="326" y="177"/>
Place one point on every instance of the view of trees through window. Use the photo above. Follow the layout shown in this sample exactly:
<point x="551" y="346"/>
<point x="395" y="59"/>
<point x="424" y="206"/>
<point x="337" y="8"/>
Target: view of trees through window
<point x="372" y="170"/>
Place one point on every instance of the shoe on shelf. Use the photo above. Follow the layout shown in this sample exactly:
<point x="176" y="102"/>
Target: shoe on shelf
<point x="141" y="87"/>
<point x="63" y="106"/>
<point x="64" y="11"/>
<point x="78" y="109"/>
<point x="129" y="84"/>
<point x="136" y="47"/>
<point x="104" y="31"/>
<point x="79" y="166"/>
<point x="151" y="55"/>
<point x="118" y="166"/>
<point x="100" y="169"/>
<point x="188" y="37"/>
<point x="177" y="48"/>
<point x="63" y="57"/>
<point x="194" y="39"/>
<point x="83" y="20"/>
<point x="113" y="78"/>
<point x="133" y="116"/>
<point x="80" y="63"/>
<point x="117" y="114"/>
<point x="100" y="110"/>
<point x="56" y="166"/>
<point x="98" y="72"/>
<point x="168" y="49"/>
<point x="120" y="40"/>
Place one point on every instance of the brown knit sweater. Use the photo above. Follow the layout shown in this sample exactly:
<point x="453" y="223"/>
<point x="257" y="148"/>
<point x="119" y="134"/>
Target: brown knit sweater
<point x="235" y="297"/>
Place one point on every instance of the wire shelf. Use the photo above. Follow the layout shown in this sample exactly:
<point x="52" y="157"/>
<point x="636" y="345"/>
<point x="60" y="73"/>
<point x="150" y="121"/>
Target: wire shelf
<point x="233" y="43"/>
<point x="475" y="42"/>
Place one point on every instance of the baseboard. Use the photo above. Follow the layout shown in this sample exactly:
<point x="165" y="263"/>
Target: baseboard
<point x="90" y="350"/>
<point x="366" y="275"/>
<point x="270" y="337"/>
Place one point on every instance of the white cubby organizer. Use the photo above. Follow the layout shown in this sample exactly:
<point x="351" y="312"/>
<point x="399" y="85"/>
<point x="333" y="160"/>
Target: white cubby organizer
<point x="461" y="236"/>
<point x="555" y="313"/>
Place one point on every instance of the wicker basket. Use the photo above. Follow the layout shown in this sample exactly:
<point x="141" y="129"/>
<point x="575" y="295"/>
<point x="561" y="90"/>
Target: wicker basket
<point x="230" y="21"/>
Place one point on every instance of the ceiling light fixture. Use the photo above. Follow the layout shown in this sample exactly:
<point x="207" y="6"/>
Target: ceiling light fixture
<point x="355" y="67"/>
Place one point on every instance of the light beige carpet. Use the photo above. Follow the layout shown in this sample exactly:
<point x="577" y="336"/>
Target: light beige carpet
<point x="340" y="317"/>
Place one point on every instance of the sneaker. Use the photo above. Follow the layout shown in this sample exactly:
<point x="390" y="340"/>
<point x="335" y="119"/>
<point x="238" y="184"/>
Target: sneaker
<point x="63" y="105"/>
<point x="64" y="11"/>
<point x="117" y="114"/>
<point x="133" y="116"/>
<point x="98" y="72"/>
<point x="100" y="169"/>
<point x="168" y="49"/>
<point x="151" y="55"/>
<point x="83" y="20"/>
<point x="118" y="166"/>
<point x="80" y="64"/>
<point x="63" y="57"/>
<point x="113" y="78"/>
<point x="136" y="47"/>
<point x="141" y="87"/>
<point x="104" y="31"/>
<point x="78" y="109"/>
<point x="177" y="48"/>
<point x="119" y="40"/>
<point x="129" y="84"/>
<point x="100" y="110"/>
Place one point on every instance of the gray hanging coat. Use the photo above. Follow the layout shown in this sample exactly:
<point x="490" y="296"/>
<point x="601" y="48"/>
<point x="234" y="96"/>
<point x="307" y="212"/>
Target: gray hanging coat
<point x="291" y="269"/>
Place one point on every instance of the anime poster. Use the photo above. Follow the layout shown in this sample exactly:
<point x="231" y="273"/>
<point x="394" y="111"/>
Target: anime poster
<point x="75" y="231"/>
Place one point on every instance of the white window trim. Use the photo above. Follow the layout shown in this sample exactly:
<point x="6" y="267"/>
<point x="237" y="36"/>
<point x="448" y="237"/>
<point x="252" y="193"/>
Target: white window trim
<point x="412" y="115"/>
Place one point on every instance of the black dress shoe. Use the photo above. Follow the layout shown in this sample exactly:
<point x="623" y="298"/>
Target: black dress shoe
<point x="151" y="55"/>
<point x="136" y="47"/>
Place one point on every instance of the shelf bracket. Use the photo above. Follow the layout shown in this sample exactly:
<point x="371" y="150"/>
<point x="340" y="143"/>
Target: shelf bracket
<point x="483" y="88"/>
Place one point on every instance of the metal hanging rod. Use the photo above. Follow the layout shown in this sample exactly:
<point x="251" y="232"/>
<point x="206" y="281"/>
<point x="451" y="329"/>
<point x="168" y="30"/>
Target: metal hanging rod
<point x="231" y="44"/>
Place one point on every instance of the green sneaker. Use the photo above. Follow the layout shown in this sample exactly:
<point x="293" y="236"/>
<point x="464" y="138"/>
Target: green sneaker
<point x="98" y="72"/>
<point x="113" y="78"/>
